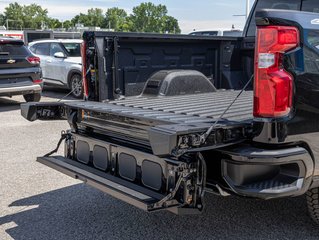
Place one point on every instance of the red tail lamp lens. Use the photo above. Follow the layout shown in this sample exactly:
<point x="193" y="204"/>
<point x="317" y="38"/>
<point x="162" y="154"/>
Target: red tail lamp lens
<point x="273" y="84"/>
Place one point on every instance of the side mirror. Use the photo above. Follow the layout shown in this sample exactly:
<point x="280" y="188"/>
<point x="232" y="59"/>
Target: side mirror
<point x="59" y="55"/>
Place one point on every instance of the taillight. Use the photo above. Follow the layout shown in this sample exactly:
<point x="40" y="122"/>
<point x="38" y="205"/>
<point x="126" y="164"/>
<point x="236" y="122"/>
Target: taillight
<point x="37" y="81"/>
<point x="33" y="60"/>
<point x="84" y="70"/>
<point x="273" y="86"/>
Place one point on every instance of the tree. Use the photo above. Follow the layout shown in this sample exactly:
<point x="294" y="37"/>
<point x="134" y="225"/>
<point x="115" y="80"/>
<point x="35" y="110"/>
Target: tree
<point x="27" y="16"/>
<point x="75" y="20"/>
<point x="170" y="25"/>
<point x="14" y="15"/>
<point x="54" y="23"/>
<point x="116" y="18"/>
<point x="148" y="17"/>
<point x="67" y="24"/>
<point x="2" y="19"/>
<point x="93" y="18"/>
<point x="35" y="17"/>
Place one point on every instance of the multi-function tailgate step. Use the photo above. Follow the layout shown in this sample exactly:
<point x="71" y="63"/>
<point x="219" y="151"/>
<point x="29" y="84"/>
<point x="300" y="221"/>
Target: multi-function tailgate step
<point x="136" y="195"/>
<point x="116" y="187"/>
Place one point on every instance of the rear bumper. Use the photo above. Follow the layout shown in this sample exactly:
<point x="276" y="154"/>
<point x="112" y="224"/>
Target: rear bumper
<point x="268" y="174"/>
<point x="20" y="90"/>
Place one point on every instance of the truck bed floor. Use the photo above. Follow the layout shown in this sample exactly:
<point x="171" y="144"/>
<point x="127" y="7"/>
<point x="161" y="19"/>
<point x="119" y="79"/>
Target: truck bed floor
<point x="203" y="107"/>
<point x="185" y="109"/>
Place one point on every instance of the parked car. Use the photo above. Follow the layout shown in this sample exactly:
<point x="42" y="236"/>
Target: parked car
<point x="218" y="32"/>
<point x="61" y="63"/>
<point x="20" y="72"/>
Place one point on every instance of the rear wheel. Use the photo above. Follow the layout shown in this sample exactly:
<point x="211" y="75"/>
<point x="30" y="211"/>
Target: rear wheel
<point x="76" y="85"/>
<point x="34" y="97"/>
<point x="313" y="204"/>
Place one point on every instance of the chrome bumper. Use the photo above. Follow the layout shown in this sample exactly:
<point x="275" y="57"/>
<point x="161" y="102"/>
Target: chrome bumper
<point x="22" y="89"/>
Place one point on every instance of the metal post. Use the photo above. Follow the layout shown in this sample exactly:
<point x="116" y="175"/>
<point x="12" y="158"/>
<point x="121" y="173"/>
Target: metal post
<point x="247" y="8"/>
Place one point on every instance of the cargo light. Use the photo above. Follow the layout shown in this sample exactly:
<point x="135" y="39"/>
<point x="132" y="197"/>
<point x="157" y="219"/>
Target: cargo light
<point x="273" y="86"/>
<point x="33" y="60"/>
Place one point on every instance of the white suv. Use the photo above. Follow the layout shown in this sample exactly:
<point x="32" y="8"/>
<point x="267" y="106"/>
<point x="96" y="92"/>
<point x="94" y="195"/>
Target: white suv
<point x="61" y="63"/>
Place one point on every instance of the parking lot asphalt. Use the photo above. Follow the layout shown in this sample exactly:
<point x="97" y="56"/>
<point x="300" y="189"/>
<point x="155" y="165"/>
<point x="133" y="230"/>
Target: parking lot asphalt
<point x="37" y="202"/>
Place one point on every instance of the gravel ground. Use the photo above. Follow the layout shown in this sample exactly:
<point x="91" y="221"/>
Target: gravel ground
<point x="39" y="203"/>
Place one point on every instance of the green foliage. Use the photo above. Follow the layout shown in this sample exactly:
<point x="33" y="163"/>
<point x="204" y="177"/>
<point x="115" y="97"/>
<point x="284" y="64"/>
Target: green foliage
<point x="14" y="14"/>
<point x="115" y="18"/>
<point x="93" y="18"/>
<point x="2" y="19"/>
<point x="31" y="16"/>
<point x="54" y="23"/>
<point x="67" y="24"/>
<point x="35" y="17"/>
<point x="147" y="17"/>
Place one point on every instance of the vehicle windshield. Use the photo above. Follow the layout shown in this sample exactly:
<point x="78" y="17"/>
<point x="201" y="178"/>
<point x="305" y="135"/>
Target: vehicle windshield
<point x="299" y="5"/>
<point x="73" y="49"/>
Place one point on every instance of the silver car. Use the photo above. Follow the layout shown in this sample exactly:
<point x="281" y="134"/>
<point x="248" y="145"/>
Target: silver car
<point x="61" y="63"/>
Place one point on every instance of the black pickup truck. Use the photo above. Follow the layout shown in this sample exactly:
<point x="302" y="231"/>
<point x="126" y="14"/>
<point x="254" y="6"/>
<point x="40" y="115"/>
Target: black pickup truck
<point x="167" y="118"/>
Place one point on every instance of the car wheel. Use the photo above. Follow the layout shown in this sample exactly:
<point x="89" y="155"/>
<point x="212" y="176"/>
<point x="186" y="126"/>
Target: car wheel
<point x="313" y="204"/>
<point x="76" y="85"/>
<point x="34" y="97"/>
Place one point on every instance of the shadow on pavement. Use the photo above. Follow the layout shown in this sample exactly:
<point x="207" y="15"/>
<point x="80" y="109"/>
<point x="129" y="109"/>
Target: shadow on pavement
<point x="80" y="212"/>
<point x="7" y="104"/>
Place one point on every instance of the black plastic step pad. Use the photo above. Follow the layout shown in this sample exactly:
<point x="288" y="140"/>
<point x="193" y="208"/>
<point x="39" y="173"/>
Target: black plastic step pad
<point x="83" y="152"/>
<point x="100" y="158"/>
<point x="127" y="166"/>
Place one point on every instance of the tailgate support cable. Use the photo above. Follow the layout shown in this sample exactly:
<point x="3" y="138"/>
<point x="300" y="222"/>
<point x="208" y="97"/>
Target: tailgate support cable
<point x="204" y="137"/>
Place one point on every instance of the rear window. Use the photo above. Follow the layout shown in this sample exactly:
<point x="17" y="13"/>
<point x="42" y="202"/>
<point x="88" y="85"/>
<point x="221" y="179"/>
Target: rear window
<point x="310" y="6"/>
<point x="313" y="39"/>
<point x="73" y="49"/>
<point x="41" y="49"/>
<point x="298" y="5"/>
<point x="13" y="50"/>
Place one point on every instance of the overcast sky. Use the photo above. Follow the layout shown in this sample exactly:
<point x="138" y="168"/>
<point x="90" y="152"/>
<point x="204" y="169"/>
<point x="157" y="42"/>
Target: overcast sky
<point x="191" y="14"/>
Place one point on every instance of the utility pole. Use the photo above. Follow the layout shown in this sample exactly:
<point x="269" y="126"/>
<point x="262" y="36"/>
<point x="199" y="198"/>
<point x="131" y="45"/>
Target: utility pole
<point x="247" y="11"/>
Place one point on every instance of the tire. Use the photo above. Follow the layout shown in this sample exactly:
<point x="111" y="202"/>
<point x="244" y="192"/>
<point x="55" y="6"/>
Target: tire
<point x="76" y="85"/>
<point x="313" y="204"/>
<point x="34" y="97"/>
